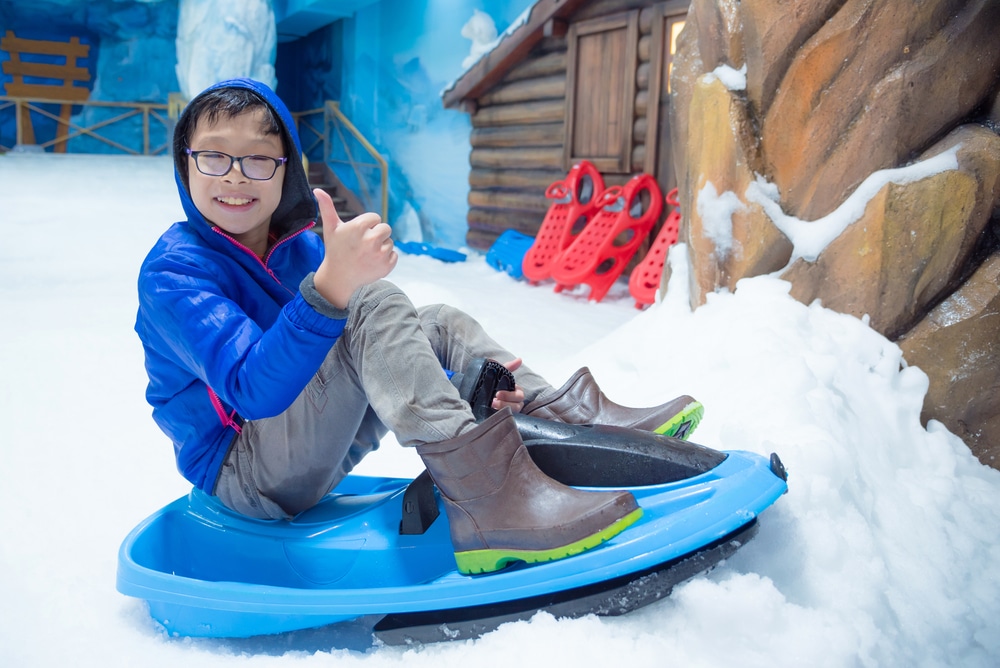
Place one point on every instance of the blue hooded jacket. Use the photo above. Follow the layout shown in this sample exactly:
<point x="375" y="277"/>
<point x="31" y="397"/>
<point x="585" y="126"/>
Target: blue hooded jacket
<point x="227" y="336"/>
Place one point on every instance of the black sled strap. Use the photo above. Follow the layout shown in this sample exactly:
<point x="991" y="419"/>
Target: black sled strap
<point x="420" y="507"/>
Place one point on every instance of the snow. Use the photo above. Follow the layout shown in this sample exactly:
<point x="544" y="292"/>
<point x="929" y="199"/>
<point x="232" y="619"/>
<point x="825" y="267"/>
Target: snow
<point x="883" y="553"/>
<point x="483" y="32"/>
<point x="480" y="47"/>
<point x="809" y="238"/>
<point x="716" y="213"/>
<point x="732" y="78"/>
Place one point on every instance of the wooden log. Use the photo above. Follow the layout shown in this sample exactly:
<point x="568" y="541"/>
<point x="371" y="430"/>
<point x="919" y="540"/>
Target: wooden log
<point x="555" y="28"/>
<point x="526" y="90"/>
<point x="546" y="111"/>
<point x="638" y="158"/>
<point x="646" y="17"/>
<point x="639" y="128"/>
<point x="510" y="158"/>
<point x="645" y="48"/>
<point x="515" y="179"/>
<point x="598" y="8"/>
<point x="512" y="136"/>
<point x="616" y="179"/>
<point x="514" y="200"/>
<point x="499" y="220"/>
<point x="550" y="44"/>
<point x="642" y="76"/>
<point x="641" y="107"/>
<point x="542" y="66"/>
<point x="480" y="240"/>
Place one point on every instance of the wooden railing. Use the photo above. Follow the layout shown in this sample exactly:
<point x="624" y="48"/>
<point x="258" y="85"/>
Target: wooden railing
<point x="25" y="75"/>
<point x="329" y="136"/>
<point x="148" y="112"/>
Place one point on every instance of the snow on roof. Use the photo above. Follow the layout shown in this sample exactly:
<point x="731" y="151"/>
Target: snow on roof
<point x="511" y="29"/>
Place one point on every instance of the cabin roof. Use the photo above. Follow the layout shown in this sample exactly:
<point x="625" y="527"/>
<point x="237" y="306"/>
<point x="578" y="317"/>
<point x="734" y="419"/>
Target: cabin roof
<point x="544" y="16"/>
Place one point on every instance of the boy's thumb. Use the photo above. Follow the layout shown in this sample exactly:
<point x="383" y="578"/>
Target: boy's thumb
<point x="327" y="210"/>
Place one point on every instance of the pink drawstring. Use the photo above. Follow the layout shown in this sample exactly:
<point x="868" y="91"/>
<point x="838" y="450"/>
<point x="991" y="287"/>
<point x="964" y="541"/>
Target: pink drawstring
<point x="227" y="420"/>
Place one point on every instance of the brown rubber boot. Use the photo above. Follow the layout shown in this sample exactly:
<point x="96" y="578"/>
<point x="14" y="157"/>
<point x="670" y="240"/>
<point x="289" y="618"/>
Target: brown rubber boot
<point x="503" y="509"/>
<point x="581" y="401"/>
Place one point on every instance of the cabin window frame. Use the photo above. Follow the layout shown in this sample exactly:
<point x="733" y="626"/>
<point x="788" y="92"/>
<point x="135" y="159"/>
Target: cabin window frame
<point x="664" y="44"/>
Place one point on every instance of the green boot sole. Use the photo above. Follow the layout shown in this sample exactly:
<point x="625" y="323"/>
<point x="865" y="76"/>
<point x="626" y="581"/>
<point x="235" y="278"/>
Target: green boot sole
<point x="684" y="423"/>
<point x="472" y="562"/>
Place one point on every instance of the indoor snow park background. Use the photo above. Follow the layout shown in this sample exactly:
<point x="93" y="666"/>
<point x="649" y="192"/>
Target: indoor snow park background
<point x="883" y="553"/>
<point x="386" y="63"/>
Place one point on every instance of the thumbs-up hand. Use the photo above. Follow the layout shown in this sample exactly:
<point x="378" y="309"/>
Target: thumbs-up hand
<point x="358" y="252"/>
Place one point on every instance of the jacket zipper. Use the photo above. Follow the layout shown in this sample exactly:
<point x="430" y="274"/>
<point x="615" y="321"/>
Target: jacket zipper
<point x="263" y="263"/>
<point x="229" y="421"/>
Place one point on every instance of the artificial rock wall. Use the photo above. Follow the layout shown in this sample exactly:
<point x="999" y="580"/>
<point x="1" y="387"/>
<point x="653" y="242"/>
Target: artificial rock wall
<point x="833" y="92"/>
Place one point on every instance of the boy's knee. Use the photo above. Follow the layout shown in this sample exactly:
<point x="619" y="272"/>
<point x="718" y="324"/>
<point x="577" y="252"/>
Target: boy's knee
<point x="373" y="294"/>
<point x="459" y="323"/>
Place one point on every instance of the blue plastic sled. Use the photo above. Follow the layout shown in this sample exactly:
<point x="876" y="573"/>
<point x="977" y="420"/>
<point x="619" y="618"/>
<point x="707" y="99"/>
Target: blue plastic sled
<point x="508" y="251"/>
<point x="419" y="248"/>
<point x="206" y="571"/>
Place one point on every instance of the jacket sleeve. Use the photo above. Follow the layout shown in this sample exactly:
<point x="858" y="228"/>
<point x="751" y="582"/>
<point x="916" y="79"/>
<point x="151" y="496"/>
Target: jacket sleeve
<point x="258" y="372"/>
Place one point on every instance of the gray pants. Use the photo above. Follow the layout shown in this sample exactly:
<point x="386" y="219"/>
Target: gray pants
<point x="384" y="373"/>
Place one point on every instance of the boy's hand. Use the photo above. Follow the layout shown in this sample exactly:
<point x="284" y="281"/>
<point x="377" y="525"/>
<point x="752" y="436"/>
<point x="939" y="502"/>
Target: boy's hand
<point x="358" y="252"/>
<point x="514" y="399"/>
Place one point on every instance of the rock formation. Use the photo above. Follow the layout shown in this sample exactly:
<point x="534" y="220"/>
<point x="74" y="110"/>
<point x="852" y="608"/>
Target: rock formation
<point x="877" y="124"/>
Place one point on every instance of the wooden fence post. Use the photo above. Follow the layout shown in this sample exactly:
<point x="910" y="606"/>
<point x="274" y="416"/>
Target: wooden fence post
<point x="66" y="93"/>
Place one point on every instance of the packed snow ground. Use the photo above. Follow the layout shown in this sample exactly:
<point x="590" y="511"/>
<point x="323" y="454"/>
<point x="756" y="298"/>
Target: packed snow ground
<point x="883" y="553"/>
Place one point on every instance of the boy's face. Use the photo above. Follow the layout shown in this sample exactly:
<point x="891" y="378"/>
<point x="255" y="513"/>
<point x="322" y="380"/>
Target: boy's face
<point x="236" y="204"/>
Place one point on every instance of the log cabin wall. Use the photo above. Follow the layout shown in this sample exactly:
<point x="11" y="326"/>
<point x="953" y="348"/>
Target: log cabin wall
<point x="519" y="126"/>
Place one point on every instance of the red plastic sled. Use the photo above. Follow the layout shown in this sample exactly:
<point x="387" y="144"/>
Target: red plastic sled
<point x="574" y="202"/>
<point x="597" y="257"/>
<point x="645" y="278"/>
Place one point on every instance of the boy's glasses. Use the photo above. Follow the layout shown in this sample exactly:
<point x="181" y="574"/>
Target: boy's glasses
<point x="217" y="163"/>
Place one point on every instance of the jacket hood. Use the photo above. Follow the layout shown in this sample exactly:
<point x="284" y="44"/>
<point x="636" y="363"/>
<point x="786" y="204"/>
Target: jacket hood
<point x="297" y="207"/>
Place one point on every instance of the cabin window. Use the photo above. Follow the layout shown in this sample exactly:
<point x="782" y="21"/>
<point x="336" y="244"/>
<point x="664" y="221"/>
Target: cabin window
<point x="600" y="90"/>
<point x="674" y="26"/>
<point x="668" y="22"/>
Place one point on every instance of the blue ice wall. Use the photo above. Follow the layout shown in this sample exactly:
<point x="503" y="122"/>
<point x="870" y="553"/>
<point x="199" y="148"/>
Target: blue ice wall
<point x="398" y="57"/>
<point x="132" y="59"/>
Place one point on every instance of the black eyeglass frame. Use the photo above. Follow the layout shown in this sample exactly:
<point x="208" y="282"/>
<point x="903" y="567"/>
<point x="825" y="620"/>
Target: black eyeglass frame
<point x="236" y="159"/>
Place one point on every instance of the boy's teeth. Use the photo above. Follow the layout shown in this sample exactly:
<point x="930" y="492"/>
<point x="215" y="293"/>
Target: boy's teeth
<point x="234" y="201"/>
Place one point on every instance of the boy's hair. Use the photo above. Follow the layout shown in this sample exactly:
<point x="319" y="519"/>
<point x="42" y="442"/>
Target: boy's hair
<point x="222" y="103"/>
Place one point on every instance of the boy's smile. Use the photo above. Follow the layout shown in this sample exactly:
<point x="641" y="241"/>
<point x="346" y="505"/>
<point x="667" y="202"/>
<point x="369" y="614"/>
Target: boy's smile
<point x="238" y="205"/>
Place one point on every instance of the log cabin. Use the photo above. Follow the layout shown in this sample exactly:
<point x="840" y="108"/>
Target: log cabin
<point x="577" y="79"/>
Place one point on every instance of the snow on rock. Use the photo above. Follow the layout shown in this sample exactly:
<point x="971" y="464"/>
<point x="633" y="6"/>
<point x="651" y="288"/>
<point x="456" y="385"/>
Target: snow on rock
<point x="716" y="213"/>
<point x="732" y="78"/>
<point x="811" y="237"/>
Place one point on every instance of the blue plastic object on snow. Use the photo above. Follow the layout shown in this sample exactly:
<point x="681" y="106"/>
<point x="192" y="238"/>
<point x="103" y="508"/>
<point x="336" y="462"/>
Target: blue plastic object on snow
<point x="206" y="571"/>
<point x="508" y="251"/>
<point x="418" y="248"/>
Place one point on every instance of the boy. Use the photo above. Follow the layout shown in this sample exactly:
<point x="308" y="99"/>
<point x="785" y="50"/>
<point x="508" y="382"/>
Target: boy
<point x="277" y="359"/>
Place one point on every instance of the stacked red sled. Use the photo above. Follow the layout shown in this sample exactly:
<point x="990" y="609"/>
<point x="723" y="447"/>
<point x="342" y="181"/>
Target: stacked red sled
<point x="590" y="233"/>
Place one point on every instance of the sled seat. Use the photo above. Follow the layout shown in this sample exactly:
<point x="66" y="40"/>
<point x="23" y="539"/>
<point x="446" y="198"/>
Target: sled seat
<point x="574" y="200"/>
<point x="598" y="256"/>
<point x="645" y="278"/>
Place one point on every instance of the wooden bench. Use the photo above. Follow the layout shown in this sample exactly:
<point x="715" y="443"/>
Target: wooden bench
<point x="68" y="73"/>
